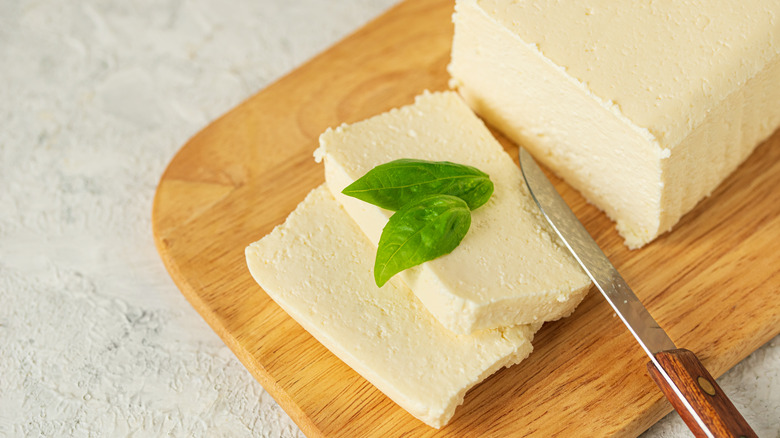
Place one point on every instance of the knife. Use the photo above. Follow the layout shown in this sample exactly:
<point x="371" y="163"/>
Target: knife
<point x="685" y="382"/>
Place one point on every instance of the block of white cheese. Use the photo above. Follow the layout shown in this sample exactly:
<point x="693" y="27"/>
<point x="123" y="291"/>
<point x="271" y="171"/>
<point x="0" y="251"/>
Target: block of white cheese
<point x="645" y="107"/>
<point x="318" y="267"/>
<point x="508" y="269"/>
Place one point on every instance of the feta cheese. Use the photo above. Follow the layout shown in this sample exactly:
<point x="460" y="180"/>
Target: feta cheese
<point x="645" y="107"/>
<point x="318" y="267"/>
<point x="509" y="269"/>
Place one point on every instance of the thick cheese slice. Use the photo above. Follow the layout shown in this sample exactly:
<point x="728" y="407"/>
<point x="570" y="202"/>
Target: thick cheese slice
<point x="509" y="269"/>
<point x="318" y="267"/>
<point x="645" y="107"/>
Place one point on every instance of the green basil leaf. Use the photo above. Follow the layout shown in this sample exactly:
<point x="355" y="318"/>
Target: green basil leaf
<point x="426" y="228"/>
<point x="392" y="185"/>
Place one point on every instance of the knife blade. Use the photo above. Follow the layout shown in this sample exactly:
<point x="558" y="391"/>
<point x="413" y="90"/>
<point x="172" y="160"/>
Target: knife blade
<point x="681" y="376"/>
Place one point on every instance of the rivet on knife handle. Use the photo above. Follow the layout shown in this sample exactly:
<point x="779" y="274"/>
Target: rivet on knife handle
<point x="702" y="392"/>
<point x="677" y="372"/>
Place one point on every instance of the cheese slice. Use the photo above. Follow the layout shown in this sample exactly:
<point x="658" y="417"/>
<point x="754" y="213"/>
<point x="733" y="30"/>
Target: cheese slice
<point x="645" y="107"/>
<point x="318" y="267"/>
<point x="509" y="269"/>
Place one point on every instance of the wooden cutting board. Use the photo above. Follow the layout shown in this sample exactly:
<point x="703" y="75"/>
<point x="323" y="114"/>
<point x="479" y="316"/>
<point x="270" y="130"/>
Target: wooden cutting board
<point x="712" y="282"/>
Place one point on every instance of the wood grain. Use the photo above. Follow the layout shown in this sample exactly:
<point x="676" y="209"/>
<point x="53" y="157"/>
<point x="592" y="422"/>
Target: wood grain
<point x="712" y="282"/>
<point x="702" y="392"/>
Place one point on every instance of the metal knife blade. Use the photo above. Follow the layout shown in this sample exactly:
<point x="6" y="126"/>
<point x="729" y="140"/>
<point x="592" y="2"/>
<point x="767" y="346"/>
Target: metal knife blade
<point x="651" y="337"/>
<point x="681" y="390"/>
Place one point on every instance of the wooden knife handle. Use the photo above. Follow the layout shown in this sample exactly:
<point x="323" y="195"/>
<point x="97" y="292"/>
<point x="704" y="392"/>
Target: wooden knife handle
<point x="702" y="393"/>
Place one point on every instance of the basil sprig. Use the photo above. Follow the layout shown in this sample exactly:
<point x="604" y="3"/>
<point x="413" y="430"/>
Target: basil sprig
<point x="424" y="229"/>
<point x="432" y="201"/>
<point x="392" y="185"/>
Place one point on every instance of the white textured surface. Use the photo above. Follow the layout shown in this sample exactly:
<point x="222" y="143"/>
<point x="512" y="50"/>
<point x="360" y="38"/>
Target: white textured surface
<point x="95" y="98"/>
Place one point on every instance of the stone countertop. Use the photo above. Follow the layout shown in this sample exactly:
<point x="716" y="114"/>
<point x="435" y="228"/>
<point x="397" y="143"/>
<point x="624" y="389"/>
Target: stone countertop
<point x="95" y="99"/>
